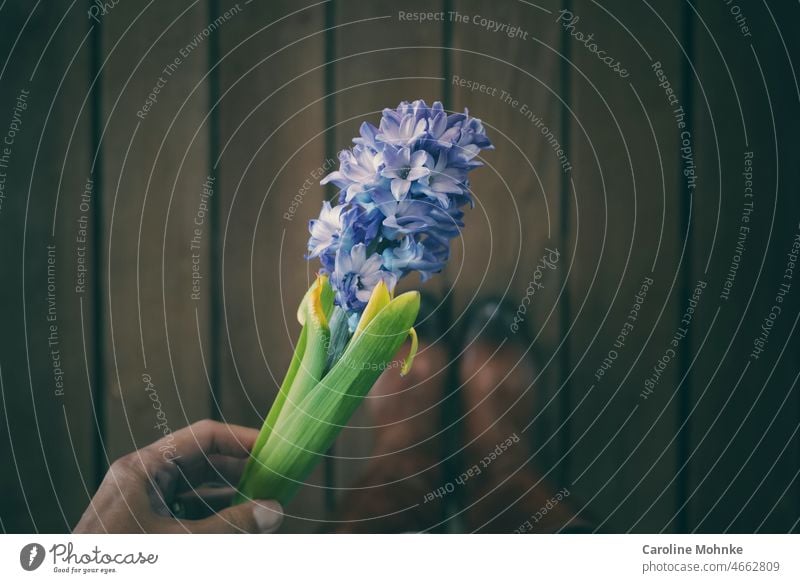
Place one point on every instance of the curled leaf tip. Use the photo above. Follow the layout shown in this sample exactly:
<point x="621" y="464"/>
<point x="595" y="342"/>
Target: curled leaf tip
<point x="379" y="299"/>
<point x="409" y="361"/>
<point x="315" y="308"/>
<point x="321" y="294"/>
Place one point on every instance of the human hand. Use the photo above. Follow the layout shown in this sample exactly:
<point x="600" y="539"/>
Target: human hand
<point x="173" y="486"/>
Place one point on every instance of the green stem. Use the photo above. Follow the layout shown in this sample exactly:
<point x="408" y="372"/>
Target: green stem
<point x="305" y="372"/>
<point x="274" y="412"/>
<point x="306" y="431"/>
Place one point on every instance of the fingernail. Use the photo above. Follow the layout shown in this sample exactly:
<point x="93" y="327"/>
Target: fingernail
<point x="268" y="515"/>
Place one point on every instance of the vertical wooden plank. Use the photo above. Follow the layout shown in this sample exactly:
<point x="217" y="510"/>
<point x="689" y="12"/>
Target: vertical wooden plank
<point x="380" y="61"/>
<point x="272" y="156"/>
<point x="156" y="190"/>
<point x="511" y="81"/>
<point x="627" y="252"/>
<point x="46" y="419"/>
<point x="744" y="446"/>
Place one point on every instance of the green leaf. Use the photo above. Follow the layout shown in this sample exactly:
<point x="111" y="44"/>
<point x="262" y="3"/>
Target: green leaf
<point x="318" y="303"/>
<point x="323" y="292"/>
<point x="305" y="432"/>
<point x="340" y="336"/>
<point x="411" y="353"/>
<point x="272" y="416"/>
<point x="379" y="299"/>
<point x="305" y="370"/>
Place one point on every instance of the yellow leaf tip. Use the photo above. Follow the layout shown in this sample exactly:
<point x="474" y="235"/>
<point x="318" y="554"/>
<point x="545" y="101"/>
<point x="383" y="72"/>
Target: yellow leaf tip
<point x="379" y="299"/>
<point x="409" y="361"/>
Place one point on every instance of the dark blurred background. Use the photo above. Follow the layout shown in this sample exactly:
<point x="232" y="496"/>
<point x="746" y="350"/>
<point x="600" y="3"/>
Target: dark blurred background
<point x="153" y="221"/>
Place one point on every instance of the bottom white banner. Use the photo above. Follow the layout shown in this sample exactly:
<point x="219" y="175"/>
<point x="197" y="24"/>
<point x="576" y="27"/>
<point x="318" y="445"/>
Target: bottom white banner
<point x="401" y="558"/>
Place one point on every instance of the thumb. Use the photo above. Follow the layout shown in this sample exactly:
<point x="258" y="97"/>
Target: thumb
<point x="256" y="516"/>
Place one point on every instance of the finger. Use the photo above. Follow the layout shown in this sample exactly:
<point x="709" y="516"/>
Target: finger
<point x="202" y="502"/>
<point x="224" y="469"/>
<point x="207" y="437"/>
<point x="257" y="516"/>
<point x="214" y="468"/>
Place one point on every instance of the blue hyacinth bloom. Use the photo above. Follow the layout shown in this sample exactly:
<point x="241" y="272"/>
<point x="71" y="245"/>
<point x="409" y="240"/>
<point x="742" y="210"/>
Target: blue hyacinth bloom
<point x="356" y="275"/>
<point x="401" y="189"/>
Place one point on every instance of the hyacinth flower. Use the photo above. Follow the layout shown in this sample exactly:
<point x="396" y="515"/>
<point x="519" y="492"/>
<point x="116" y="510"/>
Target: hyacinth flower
<point x="401" y="190"/>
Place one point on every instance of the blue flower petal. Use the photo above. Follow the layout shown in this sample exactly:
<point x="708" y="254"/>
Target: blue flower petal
<point x="401" y="189"/>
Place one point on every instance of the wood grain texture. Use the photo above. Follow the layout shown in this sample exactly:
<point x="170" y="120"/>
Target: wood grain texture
<point x="154" y="171"/>
<point x="743" y="455"/>
<point x="271" y="158"/>
<point x="625" y="231"/>
<point x="517" y="212"/>
<point x="47" y="445"/>
<point x="215" y="121"/>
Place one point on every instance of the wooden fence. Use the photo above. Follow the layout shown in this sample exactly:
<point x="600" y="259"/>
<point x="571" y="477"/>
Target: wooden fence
<point x="162" y="160"/>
